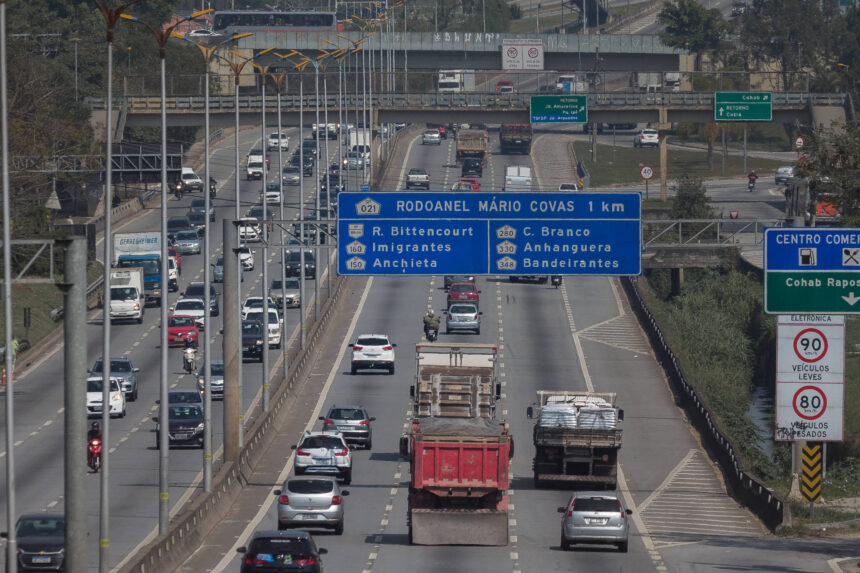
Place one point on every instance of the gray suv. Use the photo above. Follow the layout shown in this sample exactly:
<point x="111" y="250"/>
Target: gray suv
<point x="594" y="517"/>
<point x="352" y="422"/>
<point x="124" y="370"/>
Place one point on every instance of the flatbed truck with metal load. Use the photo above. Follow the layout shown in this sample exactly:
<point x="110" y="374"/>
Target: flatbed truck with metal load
<point x="455" y="380"/>
<point x="577" y="436"/>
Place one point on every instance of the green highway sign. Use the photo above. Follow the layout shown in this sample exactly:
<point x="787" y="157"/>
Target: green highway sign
<point x="743" y="106"/>
<point x="826" y="292"/>
<point x="559" y="109"/>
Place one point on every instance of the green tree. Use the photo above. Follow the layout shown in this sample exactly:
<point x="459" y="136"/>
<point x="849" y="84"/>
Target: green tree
<point x="833" y="166"/>
<point x="691" y="199"/>
<point x="690" y="25"/>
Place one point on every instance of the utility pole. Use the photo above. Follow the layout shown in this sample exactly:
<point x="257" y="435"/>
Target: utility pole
<point x="231" y="342"/>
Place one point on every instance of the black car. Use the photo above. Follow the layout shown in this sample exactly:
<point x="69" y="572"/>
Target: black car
<point x="472" y="166"/>
<point x="336" y="184"/>
<point x="199" y="222"/>
<point x="252" y="339"/>
<point x="309" y="147"/>
<point x="176" y="224"/>
<point x="196" y="290"/>
<point x="292" y="265"/>
<point x="41" y="541"/>
<point x="273" y="551"/>
<point x="184" y="426"/>
<point x="308" y="169"/>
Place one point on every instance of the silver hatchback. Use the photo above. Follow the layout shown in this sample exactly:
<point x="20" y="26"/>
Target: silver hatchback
<point x="311" y="502"/>
<point x="352" y="422"/>
<point x="594" y="517"/>
<point x="463" y="316"/>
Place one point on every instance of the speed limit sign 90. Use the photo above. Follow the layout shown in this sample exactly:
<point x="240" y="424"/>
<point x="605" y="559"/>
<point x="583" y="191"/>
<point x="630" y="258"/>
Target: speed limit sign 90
<point x="810" y="345"/>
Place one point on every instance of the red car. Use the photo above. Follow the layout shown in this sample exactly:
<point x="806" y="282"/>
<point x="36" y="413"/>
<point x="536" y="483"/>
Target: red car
<point x="443" y="131"/>
<point x="179" y="328"/>
<point x="503" y="83"/>
<point x="171" y="252"/>
<point x="476" y="186"/>
<point x="463" y="292"/>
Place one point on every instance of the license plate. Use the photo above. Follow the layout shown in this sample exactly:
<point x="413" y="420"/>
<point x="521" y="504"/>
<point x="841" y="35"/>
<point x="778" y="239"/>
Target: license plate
<point x="36" y="560"/>
<point x="316" y="459"/>
<point x="596" y="521"/>
<point x="181" y="436"/>
<point x="374" y="354"/>
<point x="344" y="427"/>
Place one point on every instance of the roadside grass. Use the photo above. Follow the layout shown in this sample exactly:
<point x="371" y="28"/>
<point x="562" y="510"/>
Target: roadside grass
<point x="620" y="165"/>
<point x="726" y="345"/>
<point x="41" y="299"/>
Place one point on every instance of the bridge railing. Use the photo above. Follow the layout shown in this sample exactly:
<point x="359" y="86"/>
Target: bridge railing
<point x="705" y="232"/>
<point x="497" y="101"/>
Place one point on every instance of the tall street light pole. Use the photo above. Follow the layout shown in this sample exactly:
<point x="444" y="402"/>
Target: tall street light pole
<point x="162" y="35"/>
<point x="264" y="225"/>
<point x="208" y="52"/>
<point x="111" y="17"/>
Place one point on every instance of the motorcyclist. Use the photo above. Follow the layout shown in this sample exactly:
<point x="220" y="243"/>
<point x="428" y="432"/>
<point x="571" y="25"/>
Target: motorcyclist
<point x="431" y="321"/>
<point x="95" y="432"/>
<point x="752" y="179"/>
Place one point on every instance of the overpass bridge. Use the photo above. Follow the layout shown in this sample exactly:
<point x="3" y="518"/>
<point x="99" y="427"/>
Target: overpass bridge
<point x="610" y="107"/>
<point x="479" y="51"/>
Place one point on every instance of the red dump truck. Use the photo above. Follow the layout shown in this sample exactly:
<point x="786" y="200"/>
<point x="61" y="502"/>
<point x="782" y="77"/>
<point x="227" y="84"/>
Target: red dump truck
<point x="458" y="481"/>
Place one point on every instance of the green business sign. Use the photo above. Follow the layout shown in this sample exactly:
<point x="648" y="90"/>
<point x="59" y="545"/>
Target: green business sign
<point x="559" y="109"/>
<point x="825" y="292"/>
<point x="743" y="106"/>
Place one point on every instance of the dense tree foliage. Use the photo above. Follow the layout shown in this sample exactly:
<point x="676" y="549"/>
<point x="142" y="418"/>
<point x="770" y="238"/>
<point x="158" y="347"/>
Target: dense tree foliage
<point x="691" y="26"/>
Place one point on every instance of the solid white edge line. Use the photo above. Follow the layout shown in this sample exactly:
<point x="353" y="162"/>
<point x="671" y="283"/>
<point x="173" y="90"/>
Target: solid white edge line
<point x="264" y="508"/>
<point x="401" y="182"/>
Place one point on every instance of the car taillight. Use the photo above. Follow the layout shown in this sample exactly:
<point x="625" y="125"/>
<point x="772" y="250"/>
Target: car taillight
<point x="301" y="452"/>
<point x="570" y="508"/>
<point x="253" y="560"/>
<point x="387" y="347"/>
<point x="475" y="317"/>
<point x="327" y="422"/>
<point x="305" y="561"/>
<point x="621" y="509"/>
<point x="357" y="347"/>
<point x="363" y="423"/>
<point x="336" y="500"/>
<point x="284" y="500"/>
<point x="342" y="452"/>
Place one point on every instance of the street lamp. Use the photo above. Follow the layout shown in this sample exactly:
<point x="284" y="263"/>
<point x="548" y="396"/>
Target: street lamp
<point x="162" y="35"/>
<point x="264" y="226"/>
<point x="74" y="508"/>
<point x="234" y="419"/>
<point x="208" y="52"/>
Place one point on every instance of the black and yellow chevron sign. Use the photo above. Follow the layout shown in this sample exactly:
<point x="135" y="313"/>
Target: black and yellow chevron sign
<point x="810" y="477"/>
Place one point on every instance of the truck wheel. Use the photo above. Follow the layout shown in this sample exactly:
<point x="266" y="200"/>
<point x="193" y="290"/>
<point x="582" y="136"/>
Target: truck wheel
<point x="478" y="330"/>
<point x="622" y="547"/>
<point x="281" y="526"/>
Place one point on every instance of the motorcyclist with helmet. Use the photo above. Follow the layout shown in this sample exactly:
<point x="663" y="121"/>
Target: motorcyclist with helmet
<point x="431" y="320"/>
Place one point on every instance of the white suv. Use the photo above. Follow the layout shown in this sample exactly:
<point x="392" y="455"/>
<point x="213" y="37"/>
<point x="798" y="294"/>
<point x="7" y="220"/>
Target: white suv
<point x="650" y="137"/>
<point x="94" y="397"/>
<point x="324" y="453"/>
<point x="373" y="351"/>
<point x="275" y="141"/>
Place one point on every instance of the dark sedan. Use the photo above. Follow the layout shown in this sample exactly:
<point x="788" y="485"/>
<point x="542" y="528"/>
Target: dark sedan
<point x="41" y="541"/>
<point x="184" y="426"/>
<point x="252" y="340"/>
<point x="271" y="551"/>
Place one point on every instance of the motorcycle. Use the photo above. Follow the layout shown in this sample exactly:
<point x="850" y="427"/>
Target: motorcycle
<point x="94" y="454"/>
<point x="751" y="186"/>
<point x="189" y="359"/>
<point x="212" y="188"/>
<point x="556" y="282"/>
<point x="178" y="190"/>
<point x="432" y="333"/>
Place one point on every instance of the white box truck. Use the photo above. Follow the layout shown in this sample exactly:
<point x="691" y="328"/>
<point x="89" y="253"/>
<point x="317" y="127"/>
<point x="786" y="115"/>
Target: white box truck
<point x="127" y="300"/>
<point x="455" y="81"/>
<point x="518" y="178"/>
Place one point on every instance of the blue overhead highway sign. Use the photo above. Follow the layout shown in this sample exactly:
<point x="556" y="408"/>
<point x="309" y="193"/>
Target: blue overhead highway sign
<point x="383" y="233"/>
<point x="812" y="270"/>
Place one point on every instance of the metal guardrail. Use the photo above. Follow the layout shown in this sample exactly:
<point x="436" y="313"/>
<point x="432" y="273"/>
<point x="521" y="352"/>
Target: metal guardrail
<point x="706" y="232"/>
<point x="745" y="487"/>
<point x="496" y="101"/>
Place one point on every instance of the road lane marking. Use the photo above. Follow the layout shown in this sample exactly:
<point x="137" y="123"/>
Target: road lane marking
<point x="252" y="525"/>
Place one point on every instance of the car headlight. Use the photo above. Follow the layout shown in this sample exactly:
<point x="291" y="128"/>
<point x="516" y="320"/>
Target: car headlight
<point x="116" y="397"/>
<point x="259" y="341"/>
<point x="200" y="427"/>
<point x="137" y="306"/>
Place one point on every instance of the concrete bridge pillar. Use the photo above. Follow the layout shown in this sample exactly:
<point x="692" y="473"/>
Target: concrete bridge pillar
<point x="677" y="278"/>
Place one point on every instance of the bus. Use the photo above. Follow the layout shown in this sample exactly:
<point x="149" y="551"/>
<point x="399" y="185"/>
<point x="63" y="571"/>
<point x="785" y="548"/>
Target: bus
<point x="235" y="22"/>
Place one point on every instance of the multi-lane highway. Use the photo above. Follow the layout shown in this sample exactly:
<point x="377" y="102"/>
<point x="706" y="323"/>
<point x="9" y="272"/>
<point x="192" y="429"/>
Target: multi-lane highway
<point x="134" y="461"/>
<point x="581" y="336"/>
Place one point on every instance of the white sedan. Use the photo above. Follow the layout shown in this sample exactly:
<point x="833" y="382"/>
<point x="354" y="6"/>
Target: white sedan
<point x="194" y="307"/>
<point x="255" y="303"/>
<point x="94" y="397"/>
